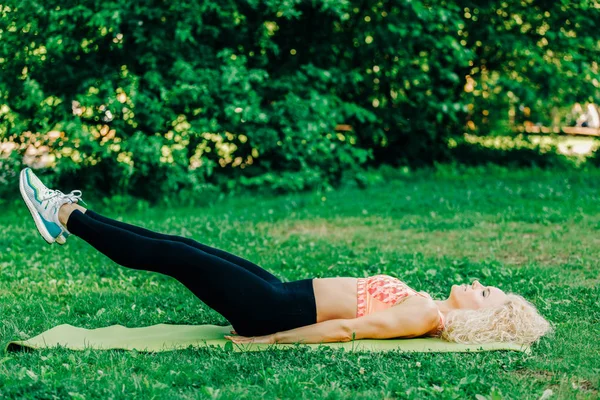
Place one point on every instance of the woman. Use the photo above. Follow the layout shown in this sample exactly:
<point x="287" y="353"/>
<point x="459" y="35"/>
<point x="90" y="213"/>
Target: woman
<point x="267" y="310"/>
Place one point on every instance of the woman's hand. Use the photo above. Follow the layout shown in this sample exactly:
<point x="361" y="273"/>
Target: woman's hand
<point x="254" y="339"/>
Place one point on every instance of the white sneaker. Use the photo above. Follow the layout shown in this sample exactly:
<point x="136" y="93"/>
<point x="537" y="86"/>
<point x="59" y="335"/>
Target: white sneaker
<point x="43" y="204"/>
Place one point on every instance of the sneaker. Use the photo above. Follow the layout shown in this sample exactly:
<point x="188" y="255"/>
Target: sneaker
<point x="43" y="204"/>
<point x="62" y="238"/>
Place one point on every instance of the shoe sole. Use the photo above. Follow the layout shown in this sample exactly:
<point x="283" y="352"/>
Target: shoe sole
<point x="36" y="216"/>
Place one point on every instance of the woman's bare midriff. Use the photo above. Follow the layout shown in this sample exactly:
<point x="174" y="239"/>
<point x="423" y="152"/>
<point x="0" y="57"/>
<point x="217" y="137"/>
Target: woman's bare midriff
<point x="335" y="298"/>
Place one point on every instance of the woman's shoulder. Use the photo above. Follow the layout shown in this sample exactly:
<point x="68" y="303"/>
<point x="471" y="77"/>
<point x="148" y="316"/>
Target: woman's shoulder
<point x="421" y="304"/>
<point x="430" y="313"/>
<point x="414" y="317"/>
<point x="423" y="307"/>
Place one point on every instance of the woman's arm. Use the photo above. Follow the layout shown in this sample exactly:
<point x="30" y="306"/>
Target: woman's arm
<point x="334" y="330"/>
<point x="415" y="316"/>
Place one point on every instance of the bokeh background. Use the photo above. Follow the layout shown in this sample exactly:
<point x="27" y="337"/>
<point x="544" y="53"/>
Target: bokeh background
<point x="438" y="142"/>
<point x="161" y="99"/>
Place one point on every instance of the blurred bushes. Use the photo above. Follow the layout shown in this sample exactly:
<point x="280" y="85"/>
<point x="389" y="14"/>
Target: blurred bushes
<point x="158" y="99"/>
<point x="508" y="151"/>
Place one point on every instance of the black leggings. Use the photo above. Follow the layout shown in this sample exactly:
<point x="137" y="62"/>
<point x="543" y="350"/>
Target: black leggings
<point x="254" y="301"/>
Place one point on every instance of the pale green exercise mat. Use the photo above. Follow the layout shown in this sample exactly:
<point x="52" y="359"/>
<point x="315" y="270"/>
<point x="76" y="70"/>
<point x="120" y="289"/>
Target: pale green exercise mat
<point x="164" y="337"/>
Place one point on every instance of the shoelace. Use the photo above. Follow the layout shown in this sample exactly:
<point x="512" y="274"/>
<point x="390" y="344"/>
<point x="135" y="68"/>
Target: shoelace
<point x="74" y="196"/>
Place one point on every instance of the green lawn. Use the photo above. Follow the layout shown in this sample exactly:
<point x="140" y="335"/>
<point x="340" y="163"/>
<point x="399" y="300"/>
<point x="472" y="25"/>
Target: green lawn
<point x="531" y="232"/>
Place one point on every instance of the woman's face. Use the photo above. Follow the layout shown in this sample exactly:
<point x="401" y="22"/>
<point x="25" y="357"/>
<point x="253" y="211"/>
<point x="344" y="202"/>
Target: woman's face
<point x="476" y="296"/>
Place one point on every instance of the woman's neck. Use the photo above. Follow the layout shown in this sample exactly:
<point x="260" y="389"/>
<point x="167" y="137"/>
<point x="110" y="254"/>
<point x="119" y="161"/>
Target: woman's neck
<point x="445" y="306"/>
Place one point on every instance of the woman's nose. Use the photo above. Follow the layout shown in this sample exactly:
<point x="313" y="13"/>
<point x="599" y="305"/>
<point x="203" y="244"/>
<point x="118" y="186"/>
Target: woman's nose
<point x="476" y="284"/>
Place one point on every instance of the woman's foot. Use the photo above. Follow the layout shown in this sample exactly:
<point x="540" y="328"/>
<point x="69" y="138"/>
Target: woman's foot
<point x="44" y="205"/>
<point x="65" y="212"/>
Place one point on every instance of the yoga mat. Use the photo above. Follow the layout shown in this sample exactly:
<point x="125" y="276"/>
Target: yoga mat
<point x="166" y="337"/>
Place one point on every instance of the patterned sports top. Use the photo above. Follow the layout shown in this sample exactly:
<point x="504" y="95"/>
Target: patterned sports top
<point x="380" y="292"/>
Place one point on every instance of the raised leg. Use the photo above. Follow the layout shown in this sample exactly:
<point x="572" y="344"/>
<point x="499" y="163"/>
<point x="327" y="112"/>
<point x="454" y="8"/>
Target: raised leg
<point x="248" y="265"/>
<point x="245" y="299"/>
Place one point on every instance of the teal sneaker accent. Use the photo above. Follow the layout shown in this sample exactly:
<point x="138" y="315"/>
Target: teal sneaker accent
<point x="53" y="229"/>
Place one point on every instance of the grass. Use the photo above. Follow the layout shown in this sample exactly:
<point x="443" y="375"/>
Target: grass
<point x="528" y="231"/>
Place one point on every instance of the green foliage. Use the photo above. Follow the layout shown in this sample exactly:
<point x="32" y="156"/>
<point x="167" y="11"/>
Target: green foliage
<point x="542" y="55"/>
<point x="9" y="166"/>
<point x="508" y="151"/>
<point x="529" y="231"/>
<point x="156" y="98"/>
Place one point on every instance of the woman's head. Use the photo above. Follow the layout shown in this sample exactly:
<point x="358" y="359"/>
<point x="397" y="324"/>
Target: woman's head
<point x="483" y="314"/>
<point x="475" y="296"/>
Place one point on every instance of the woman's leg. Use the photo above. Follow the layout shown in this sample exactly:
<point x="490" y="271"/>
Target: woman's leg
<point x="255" y="269"/>
<point x="252" y="305"/>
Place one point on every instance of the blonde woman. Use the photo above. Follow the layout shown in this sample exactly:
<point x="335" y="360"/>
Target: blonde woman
<point x="264" y="309"/>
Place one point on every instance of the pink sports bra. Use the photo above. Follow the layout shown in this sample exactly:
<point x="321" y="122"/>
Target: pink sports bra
<point x="380" y="292"/>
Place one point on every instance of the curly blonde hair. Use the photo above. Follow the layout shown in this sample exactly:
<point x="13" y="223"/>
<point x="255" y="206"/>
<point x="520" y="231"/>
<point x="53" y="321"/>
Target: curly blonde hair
<point x="516" y="321"/>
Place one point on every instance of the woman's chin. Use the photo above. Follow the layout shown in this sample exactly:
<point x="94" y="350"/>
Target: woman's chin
<point x="453" y="290"/>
